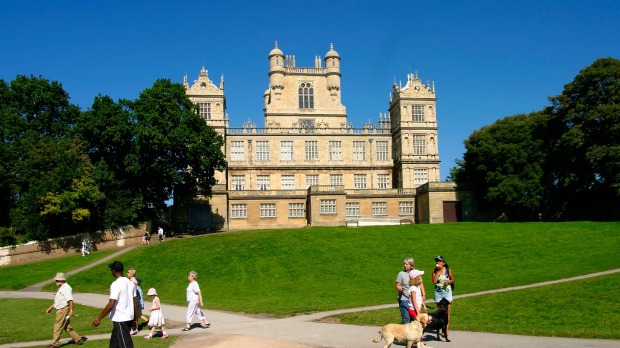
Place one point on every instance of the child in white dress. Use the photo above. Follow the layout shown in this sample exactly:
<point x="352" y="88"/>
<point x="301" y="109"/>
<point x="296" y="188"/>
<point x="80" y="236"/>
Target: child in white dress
<point x="416" y="304"/>
<point x="157" y="318"/>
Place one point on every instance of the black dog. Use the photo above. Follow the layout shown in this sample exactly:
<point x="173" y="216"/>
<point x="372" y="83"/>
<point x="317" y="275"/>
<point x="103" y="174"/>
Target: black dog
<point x="439" y="320"/>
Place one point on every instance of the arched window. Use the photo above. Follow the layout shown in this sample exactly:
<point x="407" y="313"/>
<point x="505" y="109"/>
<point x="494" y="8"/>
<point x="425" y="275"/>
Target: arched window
<point x="306" y="96"/>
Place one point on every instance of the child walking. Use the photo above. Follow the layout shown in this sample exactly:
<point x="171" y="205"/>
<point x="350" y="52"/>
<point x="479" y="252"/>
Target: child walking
<point x="415" y="294"/>
<point x="157" y="318"/>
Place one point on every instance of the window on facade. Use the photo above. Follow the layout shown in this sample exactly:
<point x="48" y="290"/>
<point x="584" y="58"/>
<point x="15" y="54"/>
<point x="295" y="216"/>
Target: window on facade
<point x="359" y="181"/>
<point x="405" y="208"/>
<point x="296" y="210"/>
<point x="312" y="150"/>
<point x="239" y="211"/>
<point x="352" y="209"/>
<point x="379" y="208"/>
<point x="263" y="182"/>
<point x="286" y="151"/>
<point x="417" y="113"/>
<point x="419" y="144"/>
<point x="204" y="110"/>
<point x="335" y="180"/>
<point x="383" y="181"/>
<point x="238" y="183"/>
<point x="267" y="210"/>
<point x="359" y="150"/>
<point x="328" y="206"/>
<point x="420" y="176"/>
<point x="312" y="180"/>
<point x="237" y="151"/>
<point x="382" y="151"/>
<point x="335" y="150"/>
<point x="288" y="182"/>
<point x="306" y="96"/>
<point x="262" y="151"/>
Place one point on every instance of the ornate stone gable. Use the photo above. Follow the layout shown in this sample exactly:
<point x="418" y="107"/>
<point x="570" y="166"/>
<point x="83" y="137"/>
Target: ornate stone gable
<point x="415" y="88"/>
<point x="204" y="86"/>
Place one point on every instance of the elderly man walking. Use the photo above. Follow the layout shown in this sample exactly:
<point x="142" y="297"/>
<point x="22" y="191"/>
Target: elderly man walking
<point x="63" y="304"/>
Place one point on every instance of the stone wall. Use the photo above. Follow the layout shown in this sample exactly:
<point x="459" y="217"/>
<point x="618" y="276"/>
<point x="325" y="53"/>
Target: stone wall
<point x="68" y="246"/>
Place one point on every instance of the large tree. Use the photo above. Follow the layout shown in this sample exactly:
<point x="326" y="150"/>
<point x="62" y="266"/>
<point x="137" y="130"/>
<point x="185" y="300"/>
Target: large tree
<point x="174" y="146"/>
<point x="503" y="165"/>
<point x="584" y="142"/>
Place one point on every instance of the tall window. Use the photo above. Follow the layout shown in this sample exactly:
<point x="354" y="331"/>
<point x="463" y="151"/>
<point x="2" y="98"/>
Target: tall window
<point x="262" y="151"/>
<point x="419" y="144"/>
<point x="417" y="113"/>
<point x="204" y="110"/>
<point x="383" y="181"/>
<point x="382" y="151"/>
<point x="420" y="176"/>
<point x="296" y="210"/>
<point x="359" y="181"/>
<point x="312" y="150"/>
<point x="335" y="150"/>
<point x="238" y="183"/>
<point x="328" y="206"/>
<point x="263" y="182"/>
<point x="379" y="208"/>
<point x="239" y="211"/>
<point x="237" y="151"/>
<point x="335" y="179"/>
<point x="352" y="209"/>
<point x="267" y="210"/>
<point x="288" y="182"/>
<point x="312" y="180"/>
<point x="286" y="151"/>
<point x="359" y="150"/>
<point x="306" y="96"/>
<point x="405" y="208"/>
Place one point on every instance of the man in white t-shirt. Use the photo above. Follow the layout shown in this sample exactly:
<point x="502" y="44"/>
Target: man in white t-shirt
<point x="122" y="307"/>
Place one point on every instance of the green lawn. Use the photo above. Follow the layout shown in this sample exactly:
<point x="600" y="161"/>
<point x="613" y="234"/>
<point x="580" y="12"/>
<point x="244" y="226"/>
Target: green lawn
<point x="287" y="272"/>
<point x="563" y="310"/>
<point x="28" y="322"/>
<point x="22" y="276"/>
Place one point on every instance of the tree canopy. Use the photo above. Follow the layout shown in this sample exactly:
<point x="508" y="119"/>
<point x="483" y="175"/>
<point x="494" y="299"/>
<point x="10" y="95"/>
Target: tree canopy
<point x="562" y="162"/>
<point x="63" y="171"/>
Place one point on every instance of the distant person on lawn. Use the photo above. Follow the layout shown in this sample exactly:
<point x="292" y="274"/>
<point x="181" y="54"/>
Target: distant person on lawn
<point x="63" y="304"/>
<point x="194" y="302"/>
<point x="122" y="308"/>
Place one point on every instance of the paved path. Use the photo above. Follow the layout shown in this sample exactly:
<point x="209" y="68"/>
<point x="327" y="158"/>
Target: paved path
<point x="304" y="330"/>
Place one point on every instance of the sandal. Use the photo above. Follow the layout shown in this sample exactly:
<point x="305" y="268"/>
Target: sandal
<point x="165" y="335"/>
<point x="206" y="326"/>
<point x="186" y="329"/>
<point x="148" y="337"/>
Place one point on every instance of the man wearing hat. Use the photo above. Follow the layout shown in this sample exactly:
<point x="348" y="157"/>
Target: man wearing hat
<point x="122" y="307"/>
<point x="63" y="304"/>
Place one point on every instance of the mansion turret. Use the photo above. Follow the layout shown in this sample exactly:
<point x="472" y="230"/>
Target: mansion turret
<point x="308" y="165"/>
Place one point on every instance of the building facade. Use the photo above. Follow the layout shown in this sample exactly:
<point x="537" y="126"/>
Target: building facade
<point x="308" y="165"/>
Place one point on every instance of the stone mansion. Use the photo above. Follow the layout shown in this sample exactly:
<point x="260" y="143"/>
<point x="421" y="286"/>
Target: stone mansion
<point x="308" y="166"/>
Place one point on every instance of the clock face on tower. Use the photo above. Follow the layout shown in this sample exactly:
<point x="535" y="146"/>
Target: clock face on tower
<point x="417" y="88"/>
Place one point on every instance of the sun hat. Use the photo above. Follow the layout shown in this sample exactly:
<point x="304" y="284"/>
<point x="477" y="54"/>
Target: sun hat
<point x="440" y="258"/>
<point x="152" y="292"/>
<point x="60" y="277"/>
<point x="415" y="273"/>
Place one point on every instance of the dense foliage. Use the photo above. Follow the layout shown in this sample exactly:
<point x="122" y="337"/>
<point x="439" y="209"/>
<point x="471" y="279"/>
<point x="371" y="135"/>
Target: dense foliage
<point x="560" y="163"/>
<point x="63" y="171"/>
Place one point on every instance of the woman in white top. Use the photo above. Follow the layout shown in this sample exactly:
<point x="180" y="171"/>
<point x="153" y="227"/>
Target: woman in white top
<point x="194" y="302"/>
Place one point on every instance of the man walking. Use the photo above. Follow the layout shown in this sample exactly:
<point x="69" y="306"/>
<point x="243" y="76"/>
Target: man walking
<point x="122" y="307"/>
<point x="63" y="303"/>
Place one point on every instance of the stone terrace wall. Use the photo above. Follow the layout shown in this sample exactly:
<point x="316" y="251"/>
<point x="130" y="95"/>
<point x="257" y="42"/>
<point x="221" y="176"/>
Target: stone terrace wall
<point x="68" y="246"/>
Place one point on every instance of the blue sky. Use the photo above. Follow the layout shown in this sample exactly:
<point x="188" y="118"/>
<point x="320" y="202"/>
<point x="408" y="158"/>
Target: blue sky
<point x="488" y="59"/>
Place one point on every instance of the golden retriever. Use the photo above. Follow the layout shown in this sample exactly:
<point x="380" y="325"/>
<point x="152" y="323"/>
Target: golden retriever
<point x="410" y="333"/>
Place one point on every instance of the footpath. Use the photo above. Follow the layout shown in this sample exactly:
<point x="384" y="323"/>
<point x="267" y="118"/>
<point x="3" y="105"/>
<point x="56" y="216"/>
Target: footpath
<point x="302" y="331"/>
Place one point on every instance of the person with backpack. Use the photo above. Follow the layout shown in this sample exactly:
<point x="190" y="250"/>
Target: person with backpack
<point x="444" y="283"/>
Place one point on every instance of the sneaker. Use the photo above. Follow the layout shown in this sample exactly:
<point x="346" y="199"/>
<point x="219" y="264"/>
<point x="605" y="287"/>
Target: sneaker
<point x="148" y="337"/>
<point x="165" y="335"/>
